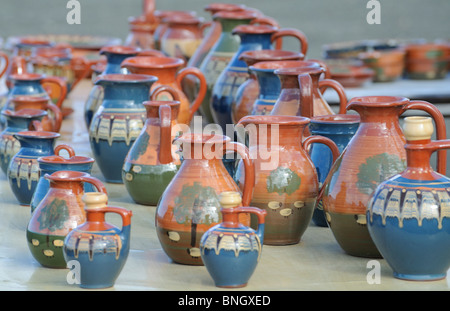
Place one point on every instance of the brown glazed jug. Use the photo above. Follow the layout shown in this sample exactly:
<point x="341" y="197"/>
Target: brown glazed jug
<point x="190" y="204"/>
<point x="303" y="84"/>
<point x="170" y="72"/>
<point x="375" y="153"/>
<point x="52" y="121"/>
<point x="153" y="160"/>
<point x="286" y="183"/>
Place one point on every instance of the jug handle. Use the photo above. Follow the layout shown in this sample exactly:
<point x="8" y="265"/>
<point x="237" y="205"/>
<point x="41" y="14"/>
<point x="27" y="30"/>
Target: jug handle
<point x="80" y="62"/>
<point x="36" y="125"/>
<point x="68" y="148"/>
<point x="204" y="26"/>
<point x="165" y="136"/>
<point x="96" y="182"/>
<point x="202" y="90"/>
<point x="306" y="102"/>
<point x="249" y="170"/>
<point x="6" y="58"/>
<point x="291" y="32"/>
<point x="164" y="88"/>
<point x="441" y="132"/>
<point x="60" y="84"/>
<point x="327" y="72"/>
<point x="260" y="214"/>
<point x="330" y="144"/>
<point x="57" y="122"/>
<point x="325" y="83"/>
<point x="124" y="214"/>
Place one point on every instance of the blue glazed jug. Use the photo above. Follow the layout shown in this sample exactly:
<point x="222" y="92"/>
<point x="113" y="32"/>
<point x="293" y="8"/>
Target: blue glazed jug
<point x="340" y="128"/>
<point x="99" y="248"/>
<point x="231" y="251"/>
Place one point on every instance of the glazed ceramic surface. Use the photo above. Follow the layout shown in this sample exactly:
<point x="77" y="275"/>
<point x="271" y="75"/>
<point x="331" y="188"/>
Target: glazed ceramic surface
<point x="52" y="121"/>
<point x="408" y="214"/>
<point x="100" y="248"/>
<point x="375" y="153"/>
<point x="190" y="204"/>
<point x="287" y="184"/>
<point x="230" y="250"/>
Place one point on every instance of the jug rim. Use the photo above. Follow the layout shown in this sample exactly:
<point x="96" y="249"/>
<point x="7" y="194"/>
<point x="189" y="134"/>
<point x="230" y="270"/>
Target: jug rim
<point x="66" y="176"/>
<point x="274" y="119"/>
<point x="61" y="160"/>
<point x="40" y="134"/>
<point x="27" y="76"/>
<point x="126" y="78"/>
<point x="153" y="62"/>
<point x="271" y="55"/>
<point x="254" y="29"/>
<point x="336" y="118"/>
<point x="289" y="66"/>
<point x="30" y="98"/>
<point x="378" y="101"/>
<point x="25" y="113"/>
<point x="119" y="49"/>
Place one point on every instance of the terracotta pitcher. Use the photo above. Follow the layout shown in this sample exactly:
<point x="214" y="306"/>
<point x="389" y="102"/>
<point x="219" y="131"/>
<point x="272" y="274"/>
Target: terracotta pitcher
<point x="52" y="121"/>
<point x="161" y="16"/>
<point x="303" y="84"/>
<point x="252" y="37"/>
<point x="408" y="215"/>
<point x="152" y="161"/>
<point x="17" y="121"/>
<point x="190" y="204"/>
<point x="248" y="92"/>
<point x="375" y="153"/>
<point x="169" y="72"/>
<point x="140" y="33"/>
<point x="287" y="185"/>
<point x="100" y="248"/>
<point x="59" y="212"/>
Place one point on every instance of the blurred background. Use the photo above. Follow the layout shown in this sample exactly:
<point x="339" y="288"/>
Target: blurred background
<point x="323" y="21"/>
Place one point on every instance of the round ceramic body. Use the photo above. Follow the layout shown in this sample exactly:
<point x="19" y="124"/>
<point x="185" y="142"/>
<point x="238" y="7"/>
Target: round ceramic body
<point x="152" y="161"/>
<point x="375" y="153"/>
<point x="100" y="249"/>
<point x="15" y="122"/>
<point x="59" y="212"/>
<point x="190" y="204"/>
<point x="221" y="53"/>
<point x="118" y="121"/>
<point x="340" y="129"/>
<point x="229" y="250"/>
<point x="115" y="55"/>
<point x="286" y="184"/>
<point x="50" y="164"/>
<point x="23" y="169"/>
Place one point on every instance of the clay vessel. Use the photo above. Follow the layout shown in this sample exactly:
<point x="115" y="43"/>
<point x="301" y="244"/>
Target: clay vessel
<point x="140" y="33"/>
<point x="190" y="204"/>
<point x="152" y="161"/>
<point x="101" y="249"/>
<point x="162" y="27"/>
<point x="407" y="216"/>
<point x="23" y="169"/>
<point x="230" y="250"/>
<point x="388" y="65"/>
<point x="170" y="72"/>
<point x="17" y="121"/>
<point x="64" y="159"/>
<point x="426" y="61"/>
<point x="52" y="121"/>
<point x="287" y="184"/>
<point x="340" y="128"/>
<point x="59" y="212"/>
<point x="375" y="153"/>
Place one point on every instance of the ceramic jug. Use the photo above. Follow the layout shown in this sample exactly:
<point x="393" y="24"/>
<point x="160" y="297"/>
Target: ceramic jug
<point x="32" y="84"/>
<point x="119" y="120"/>
<point x="252" y="37"/>
<point x="287" y="184"/>
<point x="408" y="214"/>
<point x="230" y="250"/>
<point x="59" y="212"/>
<point x="190" y="204"/>
<point x="183" y="36"/>
<point x="52" y="121"/>
<point x="114" y="55"/>
<point x="222" y="52"/>
<point x="140" y="33"/>
<point x="170" y="72"/>
<point x="101" y="249"/>
<point x="340" y="128"/>
<point x="162" y="17"/>
<point x="248" y="92"/>
<point x="152" y="160"/>
<point x="213" y="33"/>
<point x="23" y="169"/>
<point x="59" y="162"/>
<point x="17" y="121"/>
<point x="304" y="84"/>
<point x="375" y="153"/>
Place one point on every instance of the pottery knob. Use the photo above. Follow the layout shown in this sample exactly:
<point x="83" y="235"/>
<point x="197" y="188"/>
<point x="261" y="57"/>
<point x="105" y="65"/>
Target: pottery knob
<point x="230" y="199"/>
<point x="418" y="128"/>
<point x="94" y="200"/>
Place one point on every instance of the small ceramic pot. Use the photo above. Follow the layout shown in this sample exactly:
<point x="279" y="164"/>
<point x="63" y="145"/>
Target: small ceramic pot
<point x="100" y="248"/>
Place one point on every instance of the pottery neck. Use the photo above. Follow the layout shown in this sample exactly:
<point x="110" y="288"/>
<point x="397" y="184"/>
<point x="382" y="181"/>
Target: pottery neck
<point x="249" y="42"/>
<point x="39" y="143"/>
<point x="378" y="121"/>
<point x="75" y="186"/>
<point x="269" y="84"/>
<point x="27" y="85"/>
<point x="230" y="218"/>
<point x="114" y="60"/>
<point x="126" y="88"/>
<point x="22" y="122"/>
